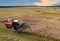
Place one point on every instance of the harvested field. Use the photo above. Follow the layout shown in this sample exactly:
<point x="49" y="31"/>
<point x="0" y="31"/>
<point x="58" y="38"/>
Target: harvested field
<point x="46" y="26"/>
<point x="43" y="21"/>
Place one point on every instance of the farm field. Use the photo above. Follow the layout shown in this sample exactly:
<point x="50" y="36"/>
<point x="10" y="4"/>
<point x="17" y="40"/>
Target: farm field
<point x="23" y="14"/>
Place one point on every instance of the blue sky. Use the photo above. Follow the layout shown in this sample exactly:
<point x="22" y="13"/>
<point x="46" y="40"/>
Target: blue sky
<point x="29" y="2"/>
<point x="17" y="2"/>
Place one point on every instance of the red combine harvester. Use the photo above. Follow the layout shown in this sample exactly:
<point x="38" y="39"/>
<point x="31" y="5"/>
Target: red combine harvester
<point x="8" y="24"/>
<point x="15" y="25"/>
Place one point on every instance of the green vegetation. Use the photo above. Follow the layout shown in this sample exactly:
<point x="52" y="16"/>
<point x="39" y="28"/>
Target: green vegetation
<point x="9" y="35"/>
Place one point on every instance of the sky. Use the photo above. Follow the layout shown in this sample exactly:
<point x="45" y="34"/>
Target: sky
<point x="29" y="2"/>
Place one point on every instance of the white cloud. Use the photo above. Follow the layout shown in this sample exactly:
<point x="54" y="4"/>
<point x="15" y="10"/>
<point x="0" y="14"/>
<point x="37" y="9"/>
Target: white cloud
<point x="46" y="2"/>
<point x="56" y="1"/>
